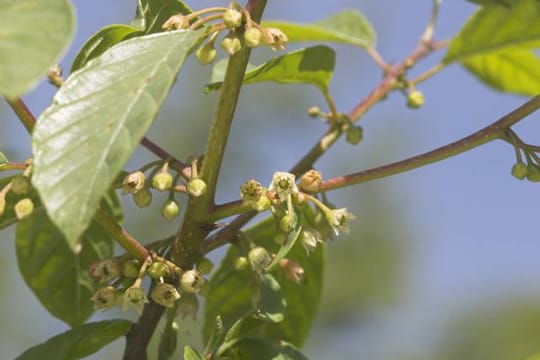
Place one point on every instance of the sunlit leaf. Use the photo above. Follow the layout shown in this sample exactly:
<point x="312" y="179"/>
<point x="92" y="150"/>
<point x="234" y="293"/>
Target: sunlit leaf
<point x="257" y="348"/>
<point x="101" y="41"/>
<point x="152" y="14"/>
<point x="57" y="276"/>
<point x="191" y="354"/>
<point x="97" y="118"/>
<point x="79" y="342"/>
<point x="314" y="65"/>
<point x="33" y="36"/>
<point x="349" y="27"/>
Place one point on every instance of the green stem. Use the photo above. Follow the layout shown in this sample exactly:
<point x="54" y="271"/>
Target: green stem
<point x="487" y="134"/>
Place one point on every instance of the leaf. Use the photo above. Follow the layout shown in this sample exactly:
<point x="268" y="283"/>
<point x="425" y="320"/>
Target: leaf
<point x="349" y="26"/>
<point x="496" y="28"/>
<point x="314" y="65"/>
<point x="97" y="118"/>
<point x="287" y="246"/>
<point x="257" y="348"/>
<point x="229" y="295"/>
<point x="191" y="354"/>
<point x="220" y="67"/>
<point x="3" y="158"/>
<point x="270" y="303"/>
<point x="494" y="2"/>
<point x="33" y="36"/>
<point x="514" y="70"/>
<point x="57" y="276"/>
<point x="101" y="41"/>
<point x="79" y="342"/>
<point x="152" y="14"/>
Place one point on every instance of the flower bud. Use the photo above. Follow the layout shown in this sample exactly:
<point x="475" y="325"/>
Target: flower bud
<point x="311" y="181"/>
<point x="20" y="185"/>
<point x="205" y="266"/>
<point x="415" y="99"/>
<point x="259" y="258"/>
<point x="158" y="269"/>
<point x="274" y="38"/>
<point x="188" y="306"/>
<point x="292" y="270"/>
<point x="134" y="297"/>
<point x="130" y="268"/>
<point x="309" y="239"/>
<point x="165" y="294"/>
<point x="287" y="223"/>
<point x="196" y="187"/>
<point x="133" y="183"/>
<point x="251" y="191"/>
<point x="206" y="54"/>
<point x="252" y="37"/>
<point x="519" y="170"/>
<point x="162" y="181"/>
<point x="231" y="44"/>
<point x="170" y="209"/>
<point x="232" y="18"/>
<point x="354" y="134"/>
<point x="24" y="208"/>
<point x="143" y="198"/>
<point x="192" y="281"/>
<point x="533" y="173"/>
<point x="105" y="298"/>
<point x="314" y="112"/>
<point x="176" y="22"/>
<point x="105" y="270"/>
<point x="241" y="263"/>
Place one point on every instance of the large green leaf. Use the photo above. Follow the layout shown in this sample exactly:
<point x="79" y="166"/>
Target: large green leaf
<point x="97" y="119"/>
<point x="314" y="65"/>
<point x="229" y="294"/>
<point x="57" y="276"/>
<point x="264" y="349"/>
<point x="101" y="41"/>
<point x="79" y="342"/>
<point x="348" y="26"/>
<point x="152" y="14"/>
<point x="33" y="36"/>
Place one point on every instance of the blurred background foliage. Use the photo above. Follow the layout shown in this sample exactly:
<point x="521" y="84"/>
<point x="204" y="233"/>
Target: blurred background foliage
<point x="430" y="270"/>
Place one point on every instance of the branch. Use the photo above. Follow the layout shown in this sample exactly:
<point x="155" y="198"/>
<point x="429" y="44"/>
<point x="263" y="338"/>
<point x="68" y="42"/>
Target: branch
<point x="22" y="112"/>
<point x="487" y="134"/>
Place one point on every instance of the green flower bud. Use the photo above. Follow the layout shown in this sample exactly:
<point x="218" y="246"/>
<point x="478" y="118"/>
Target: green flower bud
<point x="263" y="204"/>
<point x="241" y="263"/>
<point x="415" y="99"/>
<point x="287" y="223"/>
<point x="205" y="266"/>
<point x="259" y="258"/>
<point x="519" y="171"/>
<point x="24" y="208"/>
<point x="311" y="181"/>
<point x="158" y="269"/>
<point x="105" y="298"/>
<point x="354" y="134"/>
<point x="533" y="173"/>
<point x="314" y="111"/>
<point x="162" y="181"/>
<point x="206" y="54"/>
<point x="251" y="191"/>
<point x="143" y="198"/>
<point x="196" y="187"/>
<point x="20" y="185"/>
<point x="165" y="294"/>
<point x="232" y="18"/>
<point x="192" y="281"/>
<point x="170" y="209"/>
<point x="231" y="44"/>
<point x="133" y="183"/>
<point x="252" y="37"/>
<point x="188" y="306"/>
<point x="105" y="270"/>
<point x="309" y="239"/>
<point x="130" y="268"/>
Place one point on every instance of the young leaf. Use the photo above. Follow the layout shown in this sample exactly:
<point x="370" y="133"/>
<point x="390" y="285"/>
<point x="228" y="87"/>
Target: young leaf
<point x="314" y="65"/>
<point x="34" y="36"/>
<point x="152" y="14"/>
<point x="84" y="138"/>
<point x="191" y="354"/>
<point x="349" y="27"/>
<point x="287" y="246"/>
<point x="79" y="342"/>
<point x="264" y="348"/>
<point x="101" y="41"/>
<point x="270" y="302"/>
<point x="3" y="158"/>
<point x="57" y="276"/>
<point x="229" y="295"/>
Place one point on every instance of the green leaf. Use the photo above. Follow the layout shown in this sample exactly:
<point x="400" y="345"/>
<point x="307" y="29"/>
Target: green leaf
<point x="79" y="342"/>
<point x="257" y="348"/>
<point x="230" y="298"/>
<point x="287" y="246"/>
<point x="57" y="276"/>
<point x="270" y="304"/>
<point x="515" y="70"/>
<point x="83" y="139"/>
<point x="314" y="65"/>
<point x="33" y="36"/>
<point x="493" y="29"/>
<point x="152" y="14"/>
<point x="191" y="354"/>
<point x="220" y="67"/>
<point x="3" y="158"/>
<point x="102" y="41"/>
<point x="349" y="27"/>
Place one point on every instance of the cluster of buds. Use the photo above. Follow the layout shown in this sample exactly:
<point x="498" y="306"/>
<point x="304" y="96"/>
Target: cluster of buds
<point x="530" y="169"/>
<point x="19" y="187"/>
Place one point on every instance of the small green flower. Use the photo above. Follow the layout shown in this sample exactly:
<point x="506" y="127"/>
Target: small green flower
<point x="232" y="18"/>
<point x="131" y="268"/>
<point x="165" y="294"/>
<point x="134" y="297"/>
<point x="192" y="281"/>
<point x="105" y="270"/>
<point x="283" y="184"/>
<point x="231" y="44"/>
<point x="309" y="239"/>
<point x="162" y="180"/>
<point x="251" y="191"/>
<point x="274" y="38"/>
<point x="133" y="183"/>
<point x="105" y="298"/>
<point x="252" y="37"/>
<point x="196" y="187"/>
<point x="339" y="220"/>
